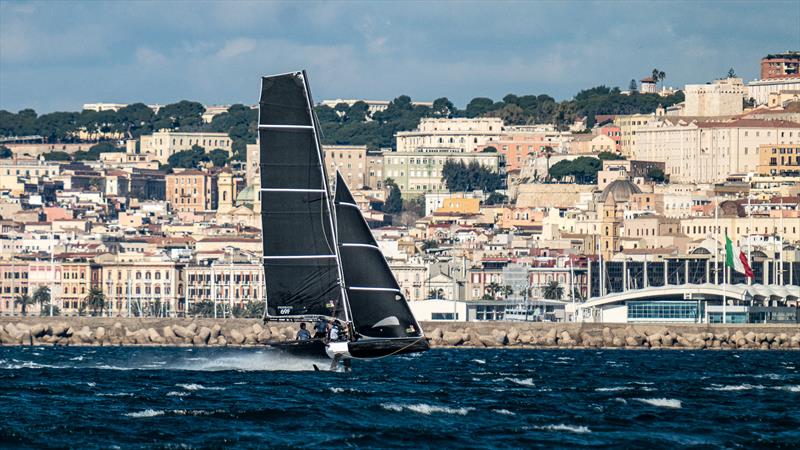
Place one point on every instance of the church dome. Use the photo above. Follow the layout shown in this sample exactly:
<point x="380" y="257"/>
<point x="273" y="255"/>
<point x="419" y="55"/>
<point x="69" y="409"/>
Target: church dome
<point x="247" y="197"/>
<point x="622" y="190"/>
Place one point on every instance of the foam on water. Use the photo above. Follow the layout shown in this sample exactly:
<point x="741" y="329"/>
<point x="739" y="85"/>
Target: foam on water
<point x="249" y="361"/>
<point x="661" y="402"/>
<point x="504" y="412"/>
<point x="613" y="389"/>
<point x="479" y="361"/>
<point x="521" y="381"/>
<point x="733" y="387"/>
<point x="146" y="413"/>
<point x="424" y="408"/>
<point x="199" y="387"/>
<point x="564" y="427"/>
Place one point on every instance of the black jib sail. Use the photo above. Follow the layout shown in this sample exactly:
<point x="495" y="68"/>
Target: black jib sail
<point x="301" y="266"/>
<point x="377" y="305"/>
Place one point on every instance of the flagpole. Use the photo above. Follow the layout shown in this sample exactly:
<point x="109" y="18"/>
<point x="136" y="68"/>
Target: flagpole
<point x="749" y="234"/>
<point x="716" y="242"/>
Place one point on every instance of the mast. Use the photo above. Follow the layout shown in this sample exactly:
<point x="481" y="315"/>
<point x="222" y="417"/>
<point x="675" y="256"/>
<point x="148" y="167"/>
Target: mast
<point x="328" y="198"/>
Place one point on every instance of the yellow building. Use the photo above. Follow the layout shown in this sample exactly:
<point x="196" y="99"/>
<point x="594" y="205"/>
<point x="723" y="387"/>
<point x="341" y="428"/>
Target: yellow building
<point x="781" y="159"/>
<point x="460" y="205"/>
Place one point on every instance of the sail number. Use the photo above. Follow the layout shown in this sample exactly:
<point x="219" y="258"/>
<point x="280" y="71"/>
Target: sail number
<point x="284" y="310"/>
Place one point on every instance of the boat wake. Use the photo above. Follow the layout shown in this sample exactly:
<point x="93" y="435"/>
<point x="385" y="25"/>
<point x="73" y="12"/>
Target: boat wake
<point x="157" y="359"/>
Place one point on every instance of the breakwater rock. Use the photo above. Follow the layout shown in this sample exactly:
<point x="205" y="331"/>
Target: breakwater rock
<point x="655" y="336"/>
<point x="200" y="332"/>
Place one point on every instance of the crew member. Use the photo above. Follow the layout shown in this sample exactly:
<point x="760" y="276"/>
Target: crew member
<point x="302" y="333"/>
<point x="320" y="329"/>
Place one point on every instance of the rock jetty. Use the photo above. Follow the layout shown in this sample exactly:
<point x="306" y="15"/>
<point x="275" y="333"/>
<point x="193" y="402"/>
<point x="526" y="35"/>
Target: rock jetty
<point x="83" y="331"/>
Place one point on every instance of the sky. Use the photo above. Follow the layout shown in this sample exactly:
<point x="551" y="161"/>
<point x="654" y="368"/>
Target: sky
<point x="56" y="56"/>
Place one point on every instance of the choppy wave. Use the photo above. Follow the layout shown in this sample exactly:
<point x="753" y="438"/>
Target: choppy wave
<point x="613" y="389"/>
<point x="521" y="381"/>
<point x="199" y="387"/>
<point x="563" y="427"/>
<point x="661" y="402"/>
<point x="146" y="413"/>
<point x="504" y="412"/>
<point x="733" y="387"/>
<point x="424" y="408"/>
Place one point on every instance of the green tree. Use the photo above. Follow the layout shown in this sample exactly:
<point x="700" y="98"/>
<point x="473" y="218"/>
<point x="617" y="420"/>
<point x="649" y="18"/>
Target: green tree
<point x="495" y="198"/>
<point x="57" y="156"/>
<point x="658" y="75"/>
<point x="553" y="291"/>
<point x="42" y="296"/>
<point x="582" y="169"/>
<point x="254" y="309"/>
<point x="610" y="156"/>
<point x="95" y="301"/>
<point x="632" y="86"/>
<point x="188" y="159"/>
<point x="460" y="177"/>
<point x="203" y="308"/>
<point x="394" y="201"/>
<point x="731" y="73"/>
<point x="93" y="154"/>
<point x="23" y="301"/>
<point x="479" y="106"/>
<point x="506" y="291"/>
<point x="657" y="175"/>
<point x="442" y="107"/>
<point x="489" y="149"/>
<point x="218" y="157"/>
<point x="493" y="288"/>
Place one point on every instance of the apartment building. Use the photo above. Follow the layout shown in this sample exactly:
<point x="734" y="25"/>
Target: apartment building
<point x="461" y="134"/>
<point x="420" y="171"/>
<point x="191" y="191"/>
<point x="707" y="152"/>
<point x="160" y="145"/>
<point x="781" y="160"/>
<point x="350" y="161"/>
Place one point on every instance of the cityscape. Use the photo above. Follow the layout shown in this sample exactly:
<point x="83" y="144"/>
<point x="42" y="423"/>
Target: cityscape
<point x="523" y="209"/>
<point x="439" y="224"/>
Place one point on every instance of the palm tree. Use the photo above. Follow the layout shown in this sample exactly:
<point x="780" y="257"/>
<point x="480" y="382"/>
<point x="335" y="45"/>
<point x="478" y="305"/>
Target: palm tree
<point x="96" y="301"/>
<point x="42" y="297"/>
<point x="254" y="309"/>
<point x="506" y="291"/>
<point x="658" y="75"/>
<point x="553" y="291"/>
<point x="23" y="301"/>
<point x="204" y="308"/>
<point x="548" y="152"/>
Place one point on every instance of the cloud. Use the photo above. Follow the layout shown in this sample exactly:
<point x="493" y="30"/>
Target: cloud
<point x="150" y="57"/>
<point x="58" y="55"/>
<point x="236" y="47"/>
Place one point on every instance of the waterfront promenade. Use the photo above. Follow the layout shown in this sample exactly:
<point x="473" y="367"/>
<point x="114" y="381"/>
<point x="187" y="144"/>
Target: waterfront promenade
<point x="104" y="331"/>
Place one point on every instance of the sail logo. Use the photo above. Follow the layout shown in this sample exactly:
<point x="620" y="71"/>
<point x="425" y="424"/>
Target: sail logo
<point x="284" y="310"/>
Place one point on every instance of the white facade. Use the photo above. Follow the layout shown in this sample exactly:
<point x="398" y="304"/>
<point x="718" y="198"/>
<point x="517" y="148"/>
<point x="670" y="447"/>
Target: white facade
<point x="707" y="152"/>
<point x="721" y="98"/>
<point x="160" y="145"/>
<point x="462" y="134"/>
<point x="759" y="90"/>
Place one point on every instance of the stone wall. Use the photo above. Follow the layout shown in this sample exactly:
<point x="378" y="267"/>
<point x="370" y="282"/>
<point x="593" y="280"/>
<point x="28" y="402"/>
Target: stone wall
<point x="252" y="332"/>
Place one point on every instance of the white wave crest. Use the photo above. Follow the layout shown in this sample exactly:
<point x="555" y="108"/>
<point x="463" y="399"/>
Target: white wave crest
<point x="198" y="387"/>
<point x="146" y="413"/>
<point x="613" y="389"/>
<point x="563" y="427"/>
<point x="423" y="408"/>
<point x="504" y="412"/>
<point x="661" y="402"/>
<point x="479" y="361"/>
<point x="788" y="388"/>
<point x="733" y="387"/>
<point x="114" y="394"/>
<point x="177" y="394"/>
<point x="519" y="381"/>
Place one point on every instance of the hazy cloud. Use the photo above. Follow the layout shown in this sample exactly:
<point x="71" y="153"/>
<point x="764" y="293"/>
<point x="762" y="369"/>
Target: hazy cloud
<point x="58" y="55"/>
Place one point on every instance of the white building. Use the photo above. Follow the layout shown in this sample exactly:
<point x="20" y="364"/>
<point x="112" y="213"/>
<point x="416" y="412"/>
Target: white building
<point x="461" y="134"/>
<point x="707" y="152"/>
<point x="720" y="98"/>
<point x="160" y="145"/>
<point x="759" y="90"/>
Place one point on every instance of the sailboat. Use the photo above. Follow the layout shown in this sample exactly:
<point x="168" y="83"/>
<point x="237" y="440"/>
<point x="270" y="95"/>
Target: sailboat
<point x="320" y="259"/>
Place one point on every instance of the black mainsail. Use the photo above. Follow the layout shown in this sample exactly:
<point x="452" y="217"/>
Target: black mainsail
<point x="379" y="309"/>
<point x="320" y="259"/>
<point x="301" y="266"/>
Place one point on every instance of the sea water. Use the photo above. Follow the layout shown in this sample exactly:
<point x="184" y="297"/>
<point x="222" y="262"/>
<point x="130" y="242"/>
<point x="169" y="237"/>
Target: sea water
<point x="102" y="397"/>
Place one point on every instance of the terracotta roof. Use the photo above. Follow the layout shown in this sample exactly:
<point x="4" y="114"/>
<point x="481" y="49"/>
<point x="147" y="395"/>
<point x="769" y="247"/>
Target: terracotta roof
<point x="749" y="123"/>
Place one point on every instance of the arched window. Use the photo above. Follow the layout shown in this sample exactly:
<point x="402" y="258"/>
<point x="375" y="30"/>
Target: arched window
<point x="158" y="275"/>
<point x="138" y="275"/>
<point x="147" y="275"/>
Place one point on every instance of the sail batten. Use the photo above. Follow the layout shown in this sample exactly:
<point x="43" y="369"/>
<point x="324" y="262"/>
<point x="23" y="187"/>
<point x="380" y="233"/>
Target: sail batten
<point x="373" y="293"/>
<point x="301" y="265"/>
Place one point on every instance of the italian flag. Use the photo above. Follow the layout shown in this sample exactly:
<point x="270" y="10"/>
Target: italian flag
<point x="736" y="259"/>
